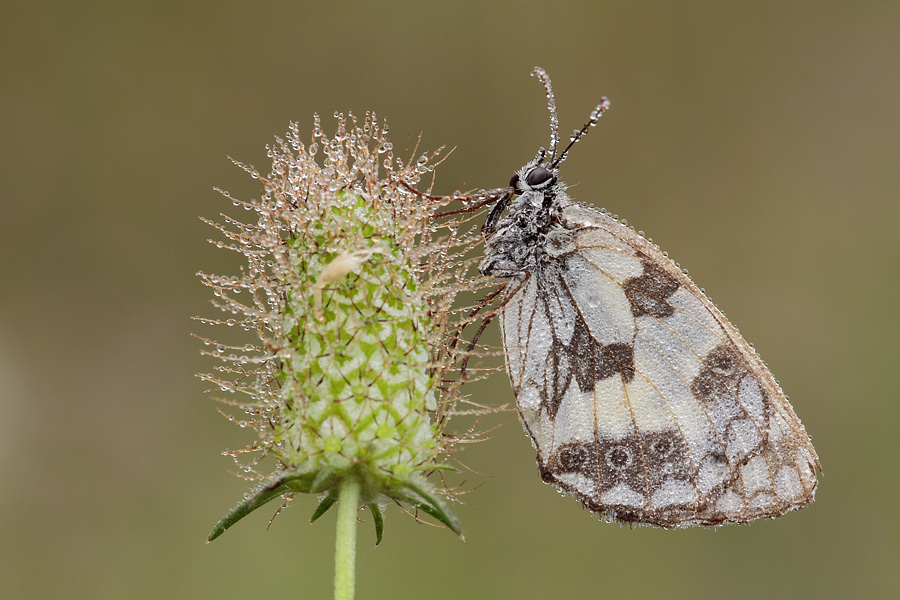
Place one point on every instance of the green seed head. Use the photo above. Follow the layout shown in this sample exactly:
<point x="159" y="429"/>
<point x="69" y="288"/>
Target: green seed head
<point x="348" y="285"/>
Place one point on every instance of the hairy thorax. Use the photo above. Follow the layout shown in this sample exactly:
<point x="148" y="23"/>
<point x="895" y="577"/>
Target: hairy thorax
<point x="520" y="243"/>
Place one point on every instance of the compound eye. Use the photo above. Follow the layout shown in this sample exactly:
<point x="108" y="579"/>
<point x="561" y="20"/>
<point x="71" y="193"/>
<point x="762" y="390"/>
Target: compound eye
<point x="514" y="182"/>
<point x="538" y="176"/>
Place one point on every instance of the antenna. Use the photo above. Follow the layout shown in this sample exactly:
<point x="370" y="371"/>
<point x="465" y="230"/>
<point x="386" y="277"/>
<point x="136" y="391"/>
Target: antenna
<point x="580" y="133"/>
<point x="551" y="104"/>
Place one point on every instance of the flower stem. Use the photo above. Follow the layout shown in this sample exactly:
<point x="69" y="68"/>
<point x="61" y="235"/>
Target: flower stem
<point x="345" y="539"/>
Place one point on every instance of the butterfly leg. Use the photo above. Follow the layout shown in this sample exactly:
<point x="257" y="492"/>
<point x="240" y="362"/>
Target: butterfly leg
<point x="481" y="199"/>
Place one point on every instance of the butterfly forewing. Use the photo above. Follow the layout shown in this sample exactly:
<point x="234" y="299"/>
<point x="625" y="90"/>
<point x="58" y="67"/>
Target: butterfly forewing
<point x="641" y="398"/>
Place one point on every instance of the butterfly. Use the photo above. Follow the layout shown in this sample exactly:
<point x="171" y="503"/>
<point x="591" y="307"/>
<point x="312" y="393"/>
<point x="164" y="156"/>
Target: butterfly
<point x="641" y="399"/>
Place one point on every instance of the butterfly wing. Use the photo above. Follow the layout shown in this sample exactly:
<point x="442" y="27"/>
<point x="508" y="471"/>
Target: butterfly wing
<point x="641" y="399"/>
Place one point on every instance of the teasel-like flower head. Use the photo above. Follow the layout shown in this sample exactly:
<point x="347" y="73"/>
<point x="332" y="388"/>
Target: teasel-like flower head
<point x="348" y="284"/>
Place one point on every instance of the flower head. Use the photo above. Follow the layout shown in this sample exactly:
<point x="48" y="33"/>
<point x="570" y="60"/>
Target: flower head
<point x="348" y="285"/>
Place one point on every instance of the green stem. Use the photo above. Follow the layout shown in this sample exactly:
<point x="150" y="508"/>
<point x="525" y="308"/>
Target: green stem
<point x="345" y="542"/>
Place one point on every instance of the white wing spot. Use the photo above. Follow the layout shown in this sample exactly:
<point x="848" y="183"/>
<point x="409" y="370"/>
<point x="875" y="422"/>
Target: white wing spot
<point x="575" y="418"/>
<point x="713" y="471"/>
<point x="624" y="496"/>
<point x="743" y="438"/>
<point x="611" y="410"/>
<point x="616" y="264"/>
<point x="756" y="475"/>
<point x="601" y="302"/>
<point x="787" y="484"/>
<point x="762" y="501"/>
<point x="752" y="399"/>
<point x="672" y="492"/>
<point x="730" y="502"/>
<point x="577" y="481"/>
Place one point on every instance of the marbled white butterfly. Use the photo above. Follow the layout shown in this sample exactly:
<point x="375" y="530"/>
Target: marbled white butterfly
<point x="641" y="399"/>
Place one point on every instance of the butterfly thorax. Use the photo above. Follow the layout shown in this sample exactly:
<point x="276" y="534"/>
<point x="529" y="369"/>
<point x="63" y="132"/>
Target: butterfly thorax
<point x="516" y="244"/>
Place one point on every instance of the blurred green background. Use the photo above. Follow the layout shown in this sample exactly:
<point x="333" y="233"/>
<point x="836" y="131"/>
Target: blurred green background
<point x="757" y="142"/>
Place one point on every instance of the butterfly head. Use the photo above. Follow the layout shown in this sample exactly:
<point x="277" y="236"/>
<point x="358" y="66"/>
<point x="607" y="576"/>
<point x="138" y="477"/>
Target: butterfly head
<point x="537" y="183"/>
<point x="537" y="174"/>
